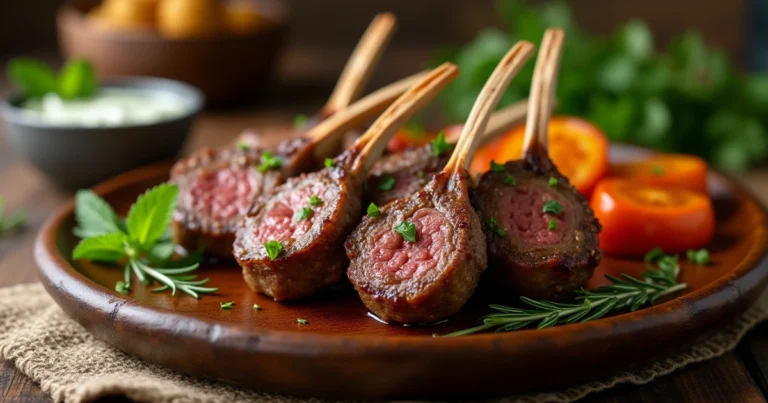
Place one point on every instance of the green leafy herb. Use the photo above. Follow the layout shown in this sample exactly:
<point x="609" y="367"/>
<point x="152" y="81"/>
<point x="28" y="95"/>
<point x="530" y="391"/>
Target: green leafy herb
<point x="407" y="230"/>
<point x="243" y="147"/>
<point x="315" y="201"/>
<point x="256" y="307"/>
<point x="552" y="182"/>
<point x="274" y="248"/>
<point x="77" y="80"/>
<point x="654" y="255"/>
<point x="12" y="223"/>
<point x="657" y="170"/>
<point x="227" y="305"/>
<point x="373" y="210"/>
<point x="32" y="77"/>
<point x="329" y="163"/>
<point x="700" y="257"/>
<point x="303" y="214"/>
<point x="552" y="225"/>
<point x="626" y="293"/>
<point x="439" y="145"/>
<point x="510" y="180"/>
<point x="140" y="243"/>
<point x="269" y="161"/>
<point x="496" y="167"/>
<point x="302" y="321"/>
<point x="300" y="121"/>
<point x="387" y="182"/>
<point x="552" y="207"/>
<point x="496" y="228"/>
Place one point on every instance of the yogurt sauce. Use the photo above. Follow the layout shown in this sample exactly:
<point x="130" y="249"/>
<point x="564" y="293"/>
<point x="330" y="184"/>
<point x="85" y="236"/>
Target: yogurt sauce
<point x="111" y="107"/>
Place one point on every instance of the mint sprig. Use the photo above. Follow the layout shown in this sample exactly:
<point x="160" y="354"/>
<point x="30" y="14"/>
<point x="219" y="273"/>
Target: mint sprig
<point x="34" y="78"/>
<point x="141" y="242"/>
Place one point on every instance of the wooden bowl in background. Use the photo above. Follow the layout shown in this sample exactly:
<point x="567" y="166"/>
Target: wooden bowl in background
<point x="226" y="68"/>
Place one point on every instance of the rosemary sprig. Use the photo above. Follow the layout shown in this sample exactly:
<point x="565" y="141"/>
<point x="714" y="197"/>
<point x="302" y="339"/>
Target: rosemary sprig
<point x="626" y="293"/>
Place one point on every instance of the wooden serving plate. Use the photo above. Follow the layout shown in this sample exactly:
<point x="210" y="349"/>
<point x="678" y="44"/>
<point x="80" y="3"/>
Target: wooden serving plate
<point x="344" y="353"/>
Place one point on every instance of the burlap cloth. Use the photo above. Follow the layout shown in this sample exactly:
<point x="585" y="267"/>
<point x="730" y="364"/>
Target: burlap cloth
<point x="72" y="366"/>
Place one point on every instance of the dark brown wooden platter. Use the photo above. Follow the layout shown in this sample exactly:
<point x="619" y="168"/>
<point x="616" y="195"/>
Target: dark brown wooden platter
<point x="344" y="353"/>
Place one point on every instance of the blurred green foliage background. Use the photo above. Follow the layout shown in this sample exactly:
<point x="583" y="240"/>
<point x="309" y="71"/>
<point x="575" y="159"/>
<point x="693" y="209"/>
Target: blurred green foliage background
<point x="688" y="98"/>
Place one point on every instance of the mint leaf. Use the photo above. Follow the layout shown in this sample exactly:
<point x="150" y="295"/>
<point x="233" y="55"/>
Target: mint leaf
<point x="315" y="201"/>
<point x="77" y="80"/>
<point x="387" y="182"/>
<point x="496" y="228"/>
<point x="102" y="248"/>
<point x="552" y="226"/>
<point x="328" y="163"/>
<point x="496" y="167"/>
<point x="552" y="207"/>
<point x="439" y="145"/>
<point x="162" y="251"/>
<point x="373" y="210"/>
<point x="274" y="248"/>
<point x="269" y="161"/>
<point x="94" y="215"/>
<point x="407" y="230"/>
<point x="150" y="216"/>
<point x="32" y="77"/>
<point x="303" y="214"/>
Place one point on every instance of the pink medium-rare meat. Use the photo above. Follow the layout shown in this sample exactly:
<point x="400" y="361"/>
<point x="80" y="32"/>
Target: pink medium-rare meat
<point x="523" y="215"/>
<point x="401" y="174"/>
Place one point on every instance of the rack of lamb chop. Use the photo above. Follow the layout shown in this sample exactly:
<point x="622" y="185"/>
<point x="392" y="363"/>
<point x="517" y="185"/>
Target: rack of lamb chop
<point x="542" y="235"/>
<point x="420" y="258"/>
<point x="291" y="243"/>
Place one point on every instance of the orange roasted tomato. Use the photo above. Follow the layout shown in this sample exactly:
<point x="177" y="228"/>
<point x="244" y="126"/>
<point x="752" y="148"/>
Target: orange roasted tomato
<point x="577" y="147"/>
<point x="637" y="218"/>
<point x="675" y="171"/>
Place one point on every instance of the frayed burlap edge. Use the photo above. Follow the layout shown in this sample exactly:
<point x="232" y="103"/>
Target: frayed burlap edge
<point x="72" y="366"/>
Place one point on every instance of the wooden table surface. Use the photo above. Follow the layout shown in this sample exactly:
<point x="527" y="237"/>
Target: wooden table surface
<point x="738" y="376"/>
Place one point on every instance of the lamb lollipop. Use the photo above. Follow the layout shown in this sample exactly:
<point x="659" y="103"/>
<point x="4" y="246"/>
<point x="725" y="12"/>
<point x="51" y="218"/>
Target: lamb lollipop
<point x="290" y="245"/>
<point x="419" y="259"/>
<point x="542" y="235"/>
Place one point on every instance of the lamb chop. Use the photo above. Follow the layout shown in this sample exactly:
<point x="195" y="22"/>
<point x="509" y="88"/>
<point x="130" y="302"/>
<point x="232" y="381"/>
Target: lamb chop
<point x="541" y="232"/>
<point x="398" y="175"/>
<point x="419" y="259"/>
<point x="291" y="243"/>
<point x="218" y="186"/>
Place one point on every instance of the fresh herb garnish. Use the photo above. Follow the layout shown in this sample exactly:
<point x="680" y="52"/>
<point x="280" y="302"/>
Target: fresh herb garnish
<point x="496" y="167"/>
<point x="510" y="180"/>
<point x="315" y="201"/>
<point x="657" y="170"/>
<point x="387" y="182"/>
<point x="328" y="163"/>
<point x="35" y="79"/>
<point x="700" y="257"/>
<point x="439" y="145"/>
<point x="12" y="223"/>
<point x="274" y="248"/>
<point x="303" y="214"/>
<point x="269" y="161"/>
<point x="302" y="321"/>
<point x="625" y="293"/>
<point x="407" y="230"/>
<point x="373" y="210"/>
<point x="495" y="227"/>
<point x="552" y="182"/>
<point x="243" y="147"/>
<point x="256" y="307"/>
<point x="654" y="255"/>
<point x="300" y="121"/>
<point x="552" y="207"/>
<point x="227" y="305"/>
<point x="141" y="242"/>
<point x="552" y="225"/>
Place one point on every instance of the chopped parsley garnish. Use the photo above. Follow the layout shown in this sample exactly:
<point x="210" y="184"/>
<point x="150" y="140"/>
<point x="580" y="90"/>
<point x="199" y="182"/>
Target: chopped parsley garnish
<point x="496" y="167"/>
<point x="302" y="321"/>
<point x="552" y="182"/>
<point x="227" y="305"/>
<point x="510" y="180"/>
<point x="121" y="287"/>
<point x="274" y="248"/>
<point x="303" y="214"/>
<point x="700" y="257"/>
<point x="407" y="230"/>
<point x="387" y="182"/>
<point x="315" y="201"/>
<point x="552" y="226"/>
<point x="243" y="147"/>
<point x="552" y="207"/>
<point x="495" y="227"/>
<point x="269" y="161"/>
<point x="439" y="145"/>
<point x="657" y="170"/>
<point x="300" y="121"/>
<point x="256" y="307"/>
<point x="373" y="210"/>
<point x="328" y="163"/>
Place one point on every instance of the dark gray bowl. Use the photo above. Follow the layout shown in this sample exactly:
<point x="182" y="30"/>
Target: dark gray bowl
<point x="77" y="157"/>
